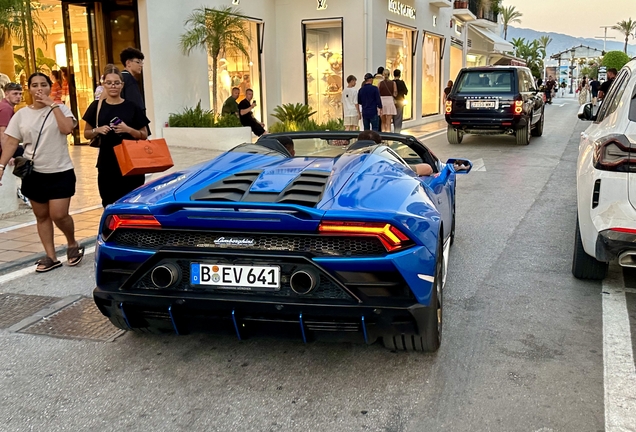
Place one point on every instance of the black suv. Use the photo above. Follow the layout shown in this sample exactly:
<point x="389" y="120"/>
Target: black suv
<point x="492" y="100"/>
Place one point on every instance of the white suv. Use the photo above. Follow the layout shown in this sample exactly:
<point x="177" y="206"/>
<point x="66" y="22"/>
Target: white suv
<point x="606" y="182"/>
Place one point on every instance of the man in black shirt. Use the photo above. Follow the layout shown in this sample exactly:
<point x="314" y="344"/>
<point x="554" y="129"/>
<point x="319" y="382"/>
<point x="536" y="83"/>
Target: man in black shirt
<point x="611" y="76"/>
<point x="247" y="117"/>
<point x="133" y="61"/>
<point x="402" y="91"/>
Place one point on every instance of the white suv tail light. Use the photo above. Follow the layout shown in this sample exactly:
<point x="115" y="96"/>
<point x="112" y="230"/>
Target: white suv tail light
<point x="614" y="153"/>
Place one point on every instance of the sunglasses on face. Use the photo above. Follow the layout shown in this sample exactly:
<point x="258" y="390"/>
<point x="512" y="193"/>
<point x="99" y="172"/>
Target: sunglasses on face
<point x="12" y="86"/>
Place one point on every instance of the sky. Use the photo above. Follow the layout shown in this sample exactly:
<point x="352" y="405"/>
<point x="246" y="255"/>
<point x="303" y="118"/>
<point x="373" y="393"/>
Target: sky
<point x="579" y="18"/>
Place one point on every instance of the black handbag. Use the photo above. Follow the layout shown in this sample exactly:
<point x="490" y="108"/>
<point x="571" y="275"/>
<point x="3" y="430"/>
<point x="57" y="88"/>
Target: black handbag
<point x="22" y="166"/>
<point x="97" y="139"/>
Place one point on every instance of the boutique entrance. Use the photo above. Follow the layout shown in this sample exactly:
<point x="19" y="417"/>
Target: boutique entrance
<point x="71" y="40"/>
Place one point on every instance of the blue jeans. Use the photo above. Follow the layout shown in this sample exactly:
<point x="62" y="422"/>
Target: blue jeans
<point x="371" y="123"/>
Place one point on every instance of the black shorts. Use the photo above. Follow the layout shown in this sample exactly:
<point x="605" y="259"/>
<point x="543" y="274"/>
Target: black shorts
<point x="42" y="188"/>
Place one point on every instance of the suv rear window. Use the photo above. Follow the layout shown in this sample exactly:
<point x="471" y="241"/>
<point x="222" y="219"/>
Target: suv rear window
<point x="486" y="82"/>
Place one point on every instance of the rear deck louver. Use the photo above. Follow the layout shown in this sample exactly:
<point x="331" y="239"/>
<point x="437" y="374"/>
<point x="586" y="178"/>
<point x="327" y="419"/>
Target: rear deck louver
<point x="306" y="189"/>
<point x="231" y="188"/>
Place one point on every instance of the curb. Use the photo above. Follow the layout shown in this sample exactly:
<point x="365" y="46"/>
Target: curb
<point x="31" y="259"/>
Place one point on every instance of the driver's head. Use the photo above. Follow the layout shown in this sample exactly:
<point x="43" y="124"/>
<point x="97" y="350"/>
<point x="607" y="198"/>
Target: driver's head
<point x="370" y="135"/>
<point x="288" y="143"/>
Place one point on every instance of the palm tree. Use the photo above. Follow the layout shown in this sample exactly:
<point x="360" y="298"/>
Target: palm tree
<point x="218" y="31"/>
<point x="544" y="41"/>
<point x="510" y="15"/>
<point x="627" y="28"/>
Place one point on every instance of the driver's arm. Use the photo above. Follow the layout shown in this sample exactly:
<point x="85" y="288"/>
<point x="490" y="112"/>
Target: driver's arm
<point x="422" y="169"/>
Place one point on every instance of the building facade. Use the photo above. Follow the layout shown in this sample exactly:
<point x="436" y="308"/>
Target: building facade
<point x="299" y="50"/>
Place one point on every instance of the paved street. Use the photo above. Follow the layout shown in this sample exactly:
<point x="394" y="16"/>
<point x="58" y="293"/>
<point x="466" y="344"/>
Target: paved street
<point x="523" y="346"/>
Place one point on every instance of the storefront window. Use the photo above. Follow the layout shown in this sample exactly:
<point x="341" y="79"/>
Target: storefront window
<point x="399" y="46"/>
<point x="456" y="61"/>
<point x="431" y="69"/>
<point x="234" y="69"/>
<point x="323" y="64"/>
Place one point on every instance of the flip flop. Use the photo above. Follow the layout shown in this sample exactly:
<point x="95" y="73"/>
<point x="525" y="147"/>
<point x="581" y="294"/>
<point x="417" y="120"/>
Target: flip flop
<point x="48" y="265"/>
<point x="75" y="254"/>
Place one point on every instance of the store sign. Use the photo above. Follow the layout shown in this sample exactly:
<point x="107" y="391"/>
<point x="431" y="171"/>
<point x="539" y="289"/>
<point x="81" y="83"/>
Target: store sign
<point x="401" y="9"/>
<point x="322" y="5"/>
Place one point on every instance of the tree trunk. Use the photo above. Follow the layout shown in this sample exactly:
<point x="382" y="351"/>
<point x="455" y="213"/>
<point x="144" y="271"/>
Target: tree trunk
<point x="214" y="84"/>
<point x="506" y="32"/>
<point x="626" y="41"/>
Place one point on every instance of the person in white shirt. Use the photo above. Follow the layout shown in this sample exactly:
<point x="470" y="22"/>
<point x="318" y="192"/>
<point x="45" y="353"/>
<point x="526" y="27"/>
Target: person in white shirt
<point x="350" y="105"/>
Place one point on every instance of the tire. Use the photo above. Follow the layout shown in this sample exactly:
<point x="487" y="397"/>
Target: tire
<point x="583" y="265"/>
<point x="523" y="134"/>
<point x="454" y="136"/>
<point x="430" y="337"/>
<point x="538" y="129"/>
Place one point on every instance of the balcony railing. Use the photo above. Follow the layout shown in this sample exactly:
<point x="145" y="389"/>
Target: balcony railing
<point x="477" y="10"/>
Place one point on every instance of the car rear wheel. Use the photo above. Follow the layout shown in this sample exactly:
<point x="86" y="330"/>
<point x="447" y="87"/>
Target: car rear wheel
<point x="430" y="337"/>
<point x="523" y="134"/>
<point x="454" y="136"/>
<point x="583" y="265"/>
<point x="538" y="129"/>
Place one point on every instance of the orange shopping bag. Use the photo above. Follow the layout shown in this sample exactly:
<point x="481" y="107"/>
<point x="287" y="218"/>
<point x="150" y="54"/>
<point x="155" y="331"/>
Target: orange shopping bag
<point x="143" y="157"/>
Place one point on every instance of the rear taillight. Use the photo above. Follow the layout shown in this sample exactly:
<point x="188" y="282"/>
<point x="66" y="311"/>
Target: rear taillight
<point x="448" y="107"/>
<point x="114" y="222"/>
<point x="391" y="237"/>
<point x="614" y="153"/>
<point x="517" y="107"/>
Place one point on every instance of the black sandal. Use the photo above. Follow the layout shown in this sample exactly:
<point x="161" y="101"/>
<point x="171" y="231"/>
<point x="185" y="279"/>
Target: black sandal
<point x="75" y="254"/>
<point x="48" y="265"/>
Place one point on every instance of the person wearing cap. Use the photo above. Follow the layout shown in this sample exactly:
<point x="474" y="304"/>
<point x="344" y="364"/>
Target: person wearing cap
<point x="371" y="103"/>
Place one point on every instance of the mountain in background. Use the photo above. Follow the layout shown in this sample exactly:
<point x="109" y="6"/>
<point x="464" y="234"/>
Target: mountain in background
<point x="561" y="42"/>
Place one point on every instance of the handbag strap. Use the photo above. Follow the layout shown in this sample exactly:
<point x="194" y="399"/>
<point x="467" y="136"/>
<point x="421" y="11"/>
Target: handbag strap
<point x="40" y="134"/>
<point x="99" y="107"/>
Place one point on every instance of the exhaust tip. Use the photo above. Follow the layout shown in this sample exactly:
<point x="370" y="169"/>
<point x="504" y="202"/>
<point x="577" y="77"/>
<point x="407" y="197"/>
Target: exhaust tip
<point x="304" y="281"/>
<point x="627" y="259"/>
<point x="165" y="275"/>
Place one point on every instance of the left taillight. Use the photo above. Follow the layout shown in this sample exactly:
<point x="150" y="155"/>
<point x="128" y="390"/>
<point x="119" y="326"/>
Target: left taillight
<point x="448" y="107"/>
<point x="114" y="222"/>
<point x="391" y="237"/>
<point x="517" y="107"/>
<point x="614" y="153"/>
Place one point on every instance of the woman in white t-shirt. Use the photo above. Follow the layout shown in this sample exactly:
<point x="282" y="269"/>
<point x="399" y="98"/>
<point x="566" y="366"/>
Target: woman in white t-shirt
<point x="52" y="183"/>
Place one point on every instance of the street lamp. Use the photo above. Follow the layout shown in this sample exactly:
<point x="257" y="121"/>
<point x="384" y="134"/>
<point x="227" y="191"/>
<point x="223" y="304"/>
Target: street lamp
<point x="572" y="71"/>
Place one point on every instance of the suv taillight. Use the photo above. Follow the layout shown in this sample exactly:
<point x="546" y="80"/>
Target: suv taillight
<point x="614" y="153"/>
<point x="448" y="107"/>
<point x="517" y="107"/>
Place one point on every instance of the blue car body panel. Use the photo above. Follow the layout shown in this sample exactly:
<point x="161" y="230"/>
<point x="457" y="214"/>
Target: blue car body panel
<point x="358" y="187"/>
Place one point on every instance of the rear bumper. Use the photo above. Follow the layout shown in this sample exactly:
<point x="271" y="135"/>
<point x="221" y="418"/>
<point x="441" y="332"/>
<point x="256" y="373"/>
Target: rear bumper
<point x="486" y="124"/>
<point x="610" y="244"/>
<point x="185" y="312"/>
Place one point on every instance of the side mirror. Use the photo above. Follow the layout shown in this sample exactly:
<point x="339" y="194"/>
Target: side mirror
<point x="586" y="112"/>
<point x="459" y="166"/>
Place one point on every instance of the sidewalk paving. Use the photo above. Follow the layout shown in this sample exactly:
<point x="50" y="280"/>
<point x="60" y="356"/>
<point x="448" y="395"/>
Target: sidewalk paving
<point x="19" y="241"/>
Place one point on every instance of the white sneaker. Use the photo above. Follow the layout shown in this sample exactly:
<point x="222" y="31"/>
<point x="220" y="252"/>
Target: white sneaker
<point x="23" y="198"/>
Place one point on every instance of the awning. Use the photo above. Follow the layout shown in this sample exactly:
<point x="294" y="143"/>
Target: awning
<point x="500" y="44"/>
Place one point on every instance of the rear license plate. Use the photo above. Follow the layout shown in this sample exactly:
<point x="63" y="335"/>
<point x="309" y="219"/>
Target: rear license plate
<point x="482" y="104"/>
<point x="241" y="278"/>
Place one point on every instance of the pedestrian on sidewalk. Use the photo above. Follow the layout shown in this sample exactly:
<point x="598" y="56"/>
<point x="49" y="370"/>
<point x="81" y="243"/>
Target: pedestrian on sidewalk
<point x="12" y="97"/>
<point x="119" y="119"/>
<point x="350" y="105"/>
<point x="594" y="86"/>
<point x="604" y="88"/>
<point x="369" y="100"/>
<point x="388" y="92"/>
<point x="133" y="61"/>
<point x="51" y="185"/>
<point x="402" y="91"/>
<point x="583" y="91"/>
<point x="246" y="106"/>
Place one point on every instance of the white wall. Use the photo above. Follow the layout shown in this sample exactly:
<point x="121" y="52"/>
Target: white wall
<point x="173" y="81"/>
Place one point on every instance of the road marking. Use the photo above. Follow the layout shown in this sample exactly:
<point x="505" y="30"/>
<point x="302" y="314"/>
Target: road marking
<point x="30" y="270"/>
<point x="619" y="373"/>
<point x="28" y="224"/>
<point x="478" y="165"/>
<point x="434" y="135"/>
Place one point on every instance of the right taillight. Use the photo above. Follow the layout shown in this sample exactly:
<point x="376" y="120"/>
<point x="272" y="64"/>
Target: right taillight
<point x="114" y="222"/>
<point x="448" y="108"/>
<point x="614" y="153"/>
<point x="518" y="107"/>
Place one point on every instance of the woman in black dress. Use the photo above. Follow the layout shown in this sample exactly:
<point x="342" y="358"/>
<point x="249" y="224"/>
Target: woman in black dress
<point x="119" y="119"/>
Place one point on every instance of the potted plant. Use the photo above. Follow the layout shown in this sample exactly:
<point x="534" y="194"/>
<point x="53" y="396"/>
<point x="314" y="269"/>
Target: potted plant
<point x="200" y="128"/>
<point x="218" y="31"/>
